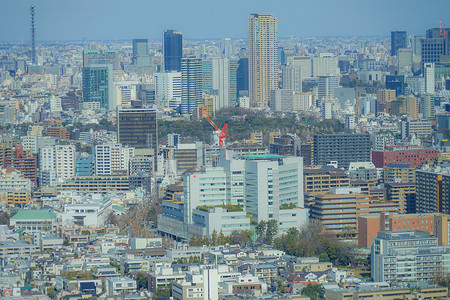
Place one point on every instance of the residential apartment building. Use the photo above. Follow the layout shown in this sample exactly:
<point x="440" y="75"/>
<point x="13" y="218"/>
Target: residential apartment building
<point x="433" y="189"/>
<point x="343" y="148"/>
<point x="399" y="173"/>
<point x="407" y="154"/>
<point x="435" y="224"/>
<point x="406" y="256"/>
<point x="338" y="210"/>
<point x="321" y="180"/>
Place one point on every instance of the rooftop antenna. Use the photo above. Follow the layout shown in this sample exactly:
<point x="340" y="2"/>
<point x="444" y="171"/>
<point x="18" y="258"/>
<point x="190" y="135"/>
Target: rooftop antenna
<point x="33" y="36"/>
<point x="440" y="27"/>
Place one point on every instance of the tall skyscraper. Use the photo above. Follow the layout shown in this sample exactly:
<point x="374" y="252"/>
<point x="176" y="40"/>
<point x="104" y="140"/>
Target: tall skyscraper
<point x="191" y="84"/>
<point x="98" y="86"/>
<point x="242" y="76"/>
<point x="326" y="86"/>
<point x="398" y="40"/>
<point x="220" y="78"/>
<point x="172" y="50"/>
<point x="140" y="53"/>
<point x="137" y="128"/>
<point x="436" y="44"/>
<point x="429" y="74"/>
<point x="262" y="58"/>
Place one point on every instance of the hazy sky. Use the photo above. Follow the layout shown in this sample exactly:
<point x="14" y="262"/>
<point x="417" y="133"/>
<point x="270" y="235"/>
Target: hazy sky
<point x="198" y="19"/>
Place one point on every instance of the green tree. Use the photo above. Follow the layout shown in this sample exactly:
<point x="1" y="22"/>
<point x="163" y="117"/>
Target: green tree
<point x="261" y="229"/>
<point x="323" y="257"/>
<point x="271" y="231"/>
<point x="214" y="238"/>
<point x="164" y="292"/>
<point x="313" y="291"/>
<point x="51" y="292"/>
<point x="142" y="281"/>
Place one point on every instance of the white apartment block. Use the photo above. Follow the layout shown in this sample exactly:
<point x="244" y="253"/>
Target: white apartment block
<point x="112" y="159"/>
<point x="57" y="162"/>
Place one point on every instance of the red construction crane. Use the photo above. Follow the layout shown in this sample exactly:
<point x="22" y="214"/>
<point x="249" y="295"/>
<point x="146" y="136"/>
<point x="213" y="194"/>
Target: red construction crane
<point x="223" y="134"/>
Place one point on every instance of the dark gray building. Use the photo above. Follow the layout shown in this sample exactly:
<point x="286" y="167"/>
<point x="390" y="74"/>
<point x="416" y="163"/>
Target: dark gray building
<point x="398" y="40"/>
<point x="137" y="128"/>
<point x="172" y="50"/>
<point x="343" y="148"/>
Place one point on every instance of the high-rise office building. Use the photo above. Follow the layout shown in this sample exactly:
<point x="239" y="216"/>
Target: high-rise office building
<point x="137" y="128"/>
<point x="168" y="89"/>
<point x="343" y="148"/>
<point x="101" y="57"/>
<point x="325" y="65"/>
<point x="281" y="100"/>
<point x="429" y="71"/>
<point x="172" y="50"/>
<point x="140" y="53"/>
<point x="220" y="77"/>
<point x="227" y="47"/>
<point x="262" y="58"/>
<point x="242" y="77"/>
<point x="191" y="84"/>
<point x="398" y="40"/>
<point x="98" y="86"/>
<point x="326" y="86"/>
<point x="397" y="83"/>
<point x="304" y="62"/>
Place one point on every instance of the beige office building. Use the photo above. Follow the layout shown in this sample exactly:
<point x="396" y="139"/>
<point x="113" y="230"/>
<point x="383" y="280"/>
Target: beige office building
<point x="262" y="58"/>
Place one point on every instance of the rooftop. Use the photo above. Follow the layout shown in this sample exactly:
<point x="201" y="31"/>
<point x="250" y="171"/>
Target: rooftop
<point x="35" y="214"/>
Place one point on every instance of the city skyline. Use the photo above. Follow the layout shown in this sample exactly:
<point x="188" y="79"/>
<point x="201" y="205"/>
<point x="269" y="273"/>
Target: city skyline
<point x="96" y="20"/>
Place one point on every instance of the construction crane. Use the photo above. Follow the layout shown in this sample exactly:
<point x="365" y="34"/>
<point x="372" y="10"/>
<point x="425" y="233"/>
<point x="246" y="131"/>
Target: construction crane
<point x="223" y="134"/>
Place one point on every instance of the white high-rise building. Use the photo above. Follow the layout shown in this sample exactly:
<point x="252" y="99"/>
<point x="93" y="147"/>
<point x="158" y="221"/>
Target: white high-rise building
<point x="57" y="162"/>
<point x="65" y="157"/>
<point x="207" y="188"/>
<point x="325" y="65"/>
<point x="55" y="104"/>
<point x="224" y="71"/>
<point x="124" y="92"/>
<point x="112" y="159"/>
<point x="168" y="89"/>
<point x="430" y="82"/>
<point x="302" y="62"/>
<point x="227" y="47"/>
<point x="292" y="78"/>
<point x="302" y="102"/>
<point x="271" y="186"/>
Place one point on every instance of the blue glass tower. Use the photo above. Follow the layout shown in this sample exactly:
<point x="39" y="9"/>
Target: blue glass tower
<point x="172" y="50"/>
<point x="97" y="85"/>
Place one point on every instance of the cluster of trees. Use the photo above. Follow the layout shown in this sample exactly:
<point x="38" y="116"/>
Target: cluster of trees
<point x="236" y="237"/>
<point x="313" y="291"/>
<point x="240" y="127"/>
<point x="266" y="231"/>
<point x="314" y="241"/>
<point x="4" y="218"/>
